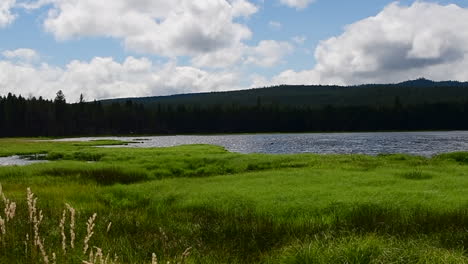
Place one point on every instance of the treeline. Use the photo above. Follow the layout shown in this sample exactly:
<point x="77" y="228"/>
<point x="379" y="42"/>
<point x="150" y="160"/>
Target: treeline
<point x="38" y="117"/>
<point x="413" y="92"/>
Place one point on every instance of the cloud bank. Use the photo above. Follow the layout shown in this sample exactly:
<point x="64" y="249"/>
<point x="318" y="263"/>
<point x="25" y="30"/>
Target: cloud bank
<point x="400" y="43"/>
<point x="298" y="4"/>
<point x="21" y="55"/>
<point x="6" y="17"/>
<point x="105" y="78"/>
<point x="167" y="28"/>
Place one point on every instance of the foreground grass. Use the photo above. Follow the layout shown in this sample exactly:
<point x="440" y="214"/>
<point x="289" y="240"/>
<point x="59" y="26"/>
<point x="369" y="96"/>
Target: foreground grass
<point x="234" y="208"/>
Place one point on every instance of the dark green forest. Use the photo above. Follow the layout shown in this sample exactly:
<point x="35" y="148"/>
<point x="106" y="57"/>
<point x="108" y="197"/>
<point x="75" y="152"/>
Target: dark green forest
<point x="415" y="105"/>
<point x="411" y="92"/>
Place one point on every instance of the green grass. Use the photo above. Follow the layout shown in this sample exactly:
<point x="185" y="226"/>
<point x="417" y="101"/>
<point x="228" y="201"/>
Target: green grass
<point x="236" y="208"/>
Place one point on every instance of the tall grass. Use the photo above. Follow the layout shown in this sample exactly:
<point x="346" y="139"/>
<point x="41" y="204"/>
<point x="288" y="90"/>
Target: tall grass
<point x="24" y="238"/>
<point x="234" y="208"/>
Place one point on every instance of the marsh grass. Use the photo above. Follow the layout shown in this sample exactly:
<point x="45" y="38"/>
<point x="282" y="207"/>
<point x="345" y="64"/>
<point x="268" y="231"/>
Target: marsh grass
<point x="31" y="236"/>
<point x="416" y="175"/>
<point x="234" y="208"/>
<point x="370" y="249"/>
<point x="107" y="175"/>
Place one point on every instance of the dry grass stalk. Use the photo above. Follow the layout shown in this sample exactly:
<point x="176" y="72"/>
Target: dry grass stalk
<point x="35" y="219"/>
<point x="89" y="232"/>
<point x="10" y="210"/>
<point x="72" y="225"/>
<point x="154" y="259"/>
<point x="2" y="221"/>
<point x="109" y="227"/>
<point x="40" y="245"/>
<point x="98" y="257"/>
<point x="186" y="254"/>
<point x="2" y="226"/>
<point x="91" y="256"/>
<point x="31" y="204"/>
<point x="1" y="193"/>
<point x="54" y="258"/>
<point x="62" y="231"/>
<point x="26" y="243"/>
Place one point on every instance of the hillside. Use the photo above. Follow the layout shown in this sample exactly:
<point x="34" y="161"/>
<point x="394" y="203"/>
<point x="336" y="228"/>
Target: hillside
<point x="409" y="106"/>
<point x="410" y="92"/>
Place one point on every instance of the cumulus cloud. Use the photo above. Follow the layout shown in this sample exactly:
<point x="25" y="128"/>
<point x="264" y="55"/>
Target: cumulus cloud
<point x="222" y="58"/>
<point x="243" y="8"/>
<point x="22" y="55"/>
<point x="208" y="32"/>
<point x="268" y="53"/>
<point x="105" y="78"/>
<point x="298" y="4"/>
<point x="400" y="43"/>
<point x="6" y="17"/>
<point x="275" y="25"/>
<point x="299" y="40"/>
<point x="168" y="28"/>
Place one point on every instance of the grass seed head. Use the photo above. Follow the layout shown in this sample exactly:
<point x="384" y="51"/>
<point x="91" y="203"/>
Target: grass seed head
<point x="109" y="227"/>
<point x="72" y="225"/>
<point x="40" y="245"/>
<point x="89" y="232"/>
<point x="10" y="210"/>
<point x="62" y="231"/>
<point x="2" y="195"/>
<point x="2" y="226"/>
<point x="154" y="259"/>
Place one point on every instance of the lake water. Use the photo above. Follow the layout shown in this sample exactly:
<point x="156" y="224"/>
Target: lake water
<point x="416" y="143"/>
<point x="18" y="161"/>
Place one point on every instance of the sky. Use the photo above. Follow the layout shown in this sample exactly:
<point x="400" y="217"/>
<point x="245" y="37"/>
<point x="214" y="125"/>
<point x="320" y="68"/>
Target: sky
<point x="132" y="48"/>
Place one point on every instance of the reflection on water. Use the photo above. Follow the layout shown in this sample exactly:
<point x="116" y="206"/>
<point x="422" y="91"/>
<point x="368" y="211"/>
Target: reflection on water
<point x="18" y="161"/>
<point x="417" y="143"/>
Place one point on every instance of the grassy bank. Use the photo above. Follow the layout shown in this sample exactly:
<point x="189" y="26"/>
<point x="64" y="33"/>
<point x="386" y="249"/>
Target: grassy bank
<point x="202" y="204"/>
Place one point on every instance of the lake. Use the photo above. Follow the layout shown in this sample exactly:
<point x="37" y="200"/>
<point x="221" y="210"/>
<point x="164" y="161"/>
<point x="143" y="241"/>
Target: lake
<point x="416" y="143"/>
<point x="19" y="160"/>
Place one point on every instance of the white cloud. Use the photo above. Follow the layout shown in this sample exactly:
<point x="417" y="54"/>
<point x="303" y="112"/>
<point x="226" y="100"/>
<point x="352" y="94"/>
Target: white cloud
<point x="220" y="59"/>
<point x="105" y="78"/>
<point x="298" y="4"/>
<point x="6" y="17"/>
<point x="299" y="39"/>
<point x="23" y="55"/>
<point x="275" y="25"/>
<point x="242" y="8"/>
<point x="400" y="43"/>
<point x="208" y="32"/>
<point x="168" y="28"/>
<point x="268" y="53"/>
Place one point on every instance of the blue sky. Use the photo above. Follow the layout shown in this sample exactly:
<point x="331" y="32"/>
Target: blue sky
<point x="116" y="48"/>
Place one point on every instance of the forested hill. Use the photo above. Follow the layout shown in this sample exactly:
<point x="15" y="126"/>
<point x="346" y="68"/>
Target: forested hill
<point x="412" y="105"/>
<point x="410" y="92"/>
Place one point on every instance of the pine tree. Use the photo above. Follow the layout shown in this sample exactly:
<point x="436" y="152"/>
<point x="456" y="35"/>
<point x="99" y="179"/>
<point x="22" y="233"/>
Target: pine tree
<point x="60" y="98"/>
<point x="82" y="100"/>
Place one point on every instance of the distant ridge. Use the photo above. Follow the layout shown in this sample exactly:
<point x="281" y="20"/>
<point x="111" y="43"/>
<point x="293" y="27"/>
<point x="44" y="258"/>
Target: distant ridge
<point x="409" y="92"/>
<point x="422" y="82"/>
<point x="409" y="106"/>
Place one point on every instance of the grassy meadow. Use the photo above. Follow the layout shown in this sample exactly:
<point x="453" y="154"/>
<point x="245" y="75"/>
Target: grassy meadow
<point x="203" y="204"/>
